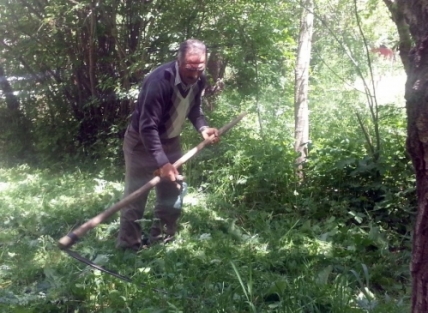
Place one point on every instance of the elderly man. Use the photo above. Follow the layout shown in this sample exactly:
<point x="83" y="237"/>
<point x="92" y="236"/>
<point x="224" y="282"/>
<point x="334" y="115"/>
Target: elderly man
<point x="170" y="94"/>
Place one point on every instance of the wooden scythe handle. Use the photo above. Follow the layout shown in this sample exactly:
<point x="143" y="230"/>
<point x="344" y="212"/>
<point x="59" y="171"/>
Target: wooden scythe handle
<point x="69" y="239"/>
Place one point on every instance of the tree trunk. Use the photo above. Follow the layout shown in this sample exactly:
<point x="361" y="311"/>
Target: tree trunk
<point x="416" y="65"/>
<point x="92" y="52"/>
<point x="417" y="146"/>
<point x="397" y="15"/>
<point x="15" y="136"/>
<point x="216" y="66"/>
<point x="301" y="85"/>
<point x="12" y="101"/>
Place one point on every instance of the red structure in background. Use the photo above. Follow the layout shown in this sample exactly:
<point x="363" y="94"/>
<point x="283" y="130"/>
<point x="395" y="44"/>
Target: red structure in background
<point x="387" y="53"/>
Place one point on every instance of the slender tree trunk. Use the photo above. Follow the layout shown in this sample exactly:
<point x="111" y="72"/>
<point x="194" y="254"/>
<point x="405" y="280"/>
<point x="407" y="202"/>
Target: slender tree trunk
<point x="301" y="85"/>
<point x="16" y="142"/>
<point x="216" y="66"/>
<point x="411" y="15"/>
<point x="12" y="101"/>
<point x="92" y="52"/>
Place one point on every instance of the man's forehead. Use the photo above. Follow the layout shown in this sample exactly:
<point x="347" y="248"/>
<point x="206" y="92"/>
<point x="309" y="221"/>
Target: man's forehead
<point x="194" y="61"/>
<point x="194" y="58"/>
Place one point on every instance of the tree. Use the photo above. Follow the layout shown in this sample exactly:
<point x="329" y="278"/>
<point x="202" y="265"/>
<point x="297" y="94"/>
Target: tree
<point x="84" y="63"/>
<point x="12" y="101"/>
<point x="15" y="135"/>
<point x="412" y="25"/>
<point x="302" y="82"/>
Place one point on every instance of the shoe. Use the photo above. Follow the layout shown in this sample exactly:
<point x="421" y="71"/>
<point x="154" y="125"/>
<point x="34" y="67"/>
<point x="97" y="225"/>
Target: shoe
<point x="122" y="244"/>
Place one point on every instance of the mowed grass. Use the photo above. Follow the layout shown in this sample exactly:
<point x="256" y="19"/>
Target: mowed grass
<point x="227" y="258"/>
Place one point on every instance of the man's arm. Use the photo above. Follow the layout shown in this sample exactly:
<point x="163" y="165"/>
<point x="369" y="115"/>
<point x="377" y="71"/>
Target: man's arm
<point x="196" y="116"/>
<point x="151" y="101"/>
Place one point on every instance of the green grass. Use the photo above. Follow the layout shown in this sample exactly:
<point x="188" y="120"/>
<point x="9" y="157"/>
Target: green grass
<point x="226" y="258"/>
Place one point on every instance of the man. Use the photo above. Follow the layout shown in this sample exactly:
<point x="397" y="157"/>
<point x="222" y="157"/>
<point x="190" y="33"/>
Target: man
<point x="169" y="94"/>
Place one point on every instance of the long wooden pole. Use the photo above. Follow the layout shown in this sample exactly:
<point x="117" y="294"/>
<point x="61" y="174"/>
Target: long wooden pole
<point x="69" y="239"/>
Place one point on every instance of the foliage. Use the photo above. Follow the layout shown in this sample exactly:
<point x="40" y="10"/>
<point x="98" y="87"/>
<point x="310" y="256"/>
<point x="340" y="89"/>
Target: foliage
<point x="226" y="258"/>
<point x="380" y="191"/>
<point x="252" y="238"/>
<point x="79" y="73"/>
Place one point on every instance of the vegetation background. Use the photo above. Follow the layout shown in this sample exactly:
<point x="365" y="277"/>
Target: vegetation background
<point x="253" y="238"/>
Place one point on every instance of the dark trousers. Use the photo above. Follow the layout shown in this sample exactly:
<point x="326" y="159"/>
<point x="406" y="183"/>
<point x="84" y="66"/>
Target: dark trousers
<point x="139" y="169"/>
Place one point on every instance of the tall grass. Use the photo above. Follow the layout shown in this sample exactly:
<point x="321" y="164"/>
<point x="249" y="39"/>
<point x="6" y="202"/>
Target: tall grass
<point x="226" y="258"/>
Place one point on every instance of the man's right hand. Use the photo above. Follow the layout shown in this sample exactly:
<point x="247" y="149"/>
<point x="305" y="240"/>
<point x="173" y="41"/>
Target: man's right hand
<point x="212" y="133"/>
<point x="169" y="172"/>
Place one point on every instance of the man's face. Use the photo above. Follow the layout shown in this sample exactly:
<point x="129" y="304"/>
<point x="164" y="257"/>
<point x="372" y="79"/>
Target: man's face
<point x="191" y="67"/>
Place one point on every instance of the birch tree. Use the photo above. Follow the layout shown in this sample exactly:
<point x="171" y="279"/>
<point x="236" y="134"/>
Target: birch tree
<point x="301" y="110"/>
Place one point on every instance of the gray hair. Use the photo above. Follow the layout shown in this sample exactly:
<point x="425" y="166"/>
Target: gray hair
<point x="190" y="46"/>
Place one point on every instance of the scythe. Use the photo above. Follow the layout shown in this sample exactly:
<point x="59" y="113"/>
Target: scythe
<point x="71" y="238"/>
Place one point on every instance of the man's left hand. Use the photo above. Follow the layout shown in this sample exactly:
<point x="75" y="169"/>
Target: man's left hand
<point x="211" y="133"/>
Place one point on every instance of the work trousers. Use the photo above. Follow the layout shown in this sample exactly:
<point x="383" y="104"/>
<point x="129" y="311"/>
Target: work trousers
<point x="139" y="169"/>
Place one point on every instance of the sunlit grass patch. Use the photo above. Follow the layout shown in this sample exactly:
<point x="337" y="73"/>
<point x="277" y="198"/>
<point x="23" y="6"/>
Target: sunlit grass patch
<point x="38" y="206"/>
<point x="225" y="258"/>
